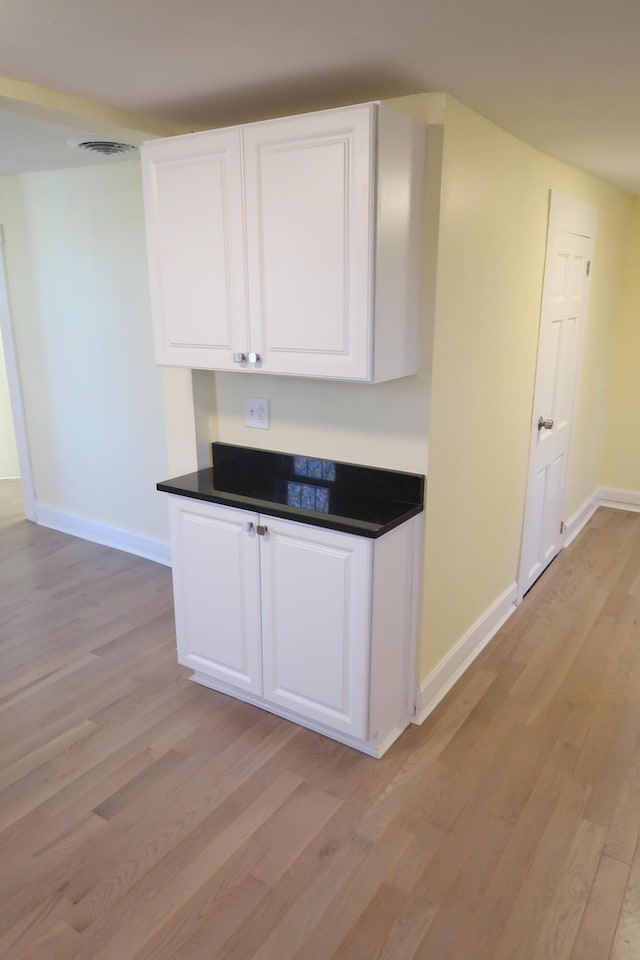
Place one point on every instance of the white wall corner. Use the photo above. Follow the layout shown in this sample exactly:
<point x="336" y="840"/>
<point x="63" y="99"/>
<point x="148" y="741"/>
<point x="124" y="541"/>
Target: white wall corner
<point x="619" y="499"/>
<point x="440" y="681"/>
<point x="581" y="517"/>
<point x="118" y="538"/>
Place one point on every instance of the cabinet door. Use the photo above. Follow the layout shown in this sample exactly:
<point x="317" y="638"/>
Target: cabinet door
<point x="316" y="623"/>
<point x="216" y="581"/>
<point x="309" y="212"/>
<point x="193" y="205"/>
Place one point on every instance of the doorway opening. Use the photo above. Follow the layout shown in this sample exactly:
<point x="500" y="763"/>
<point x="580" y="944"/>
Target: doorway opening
<point x="15" y="464"/>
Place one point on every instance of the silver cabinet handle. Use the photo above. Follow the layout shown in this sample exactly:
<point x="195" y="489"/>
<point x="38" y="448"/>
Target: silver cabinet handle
<point x="254" y="357"/>
<point x="247" y="525"/>
<point x="261" y="530"/>
<point x="545" y="424"/>
<point x="239" y="357"/>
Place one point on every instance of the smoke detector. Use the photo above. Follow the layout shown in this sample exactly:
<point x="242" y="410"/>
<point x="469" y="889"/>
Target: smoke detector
<point x="107" y="148"/>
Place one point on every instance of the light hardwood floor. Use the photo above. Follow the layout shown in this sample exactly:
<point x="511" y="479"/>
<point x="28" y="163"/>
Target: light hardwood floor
<point x="142" y="816"/>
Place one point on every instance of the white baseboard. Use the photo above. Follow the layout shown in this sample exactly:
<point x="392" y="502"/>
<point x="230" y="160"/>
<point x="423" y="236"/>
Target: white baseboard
<point x="602" y="497"/>
<point x="436" y="686"/>
<point x="105" y="534"/>
<point x="619" y="499"/>
<point x="581" y="517"/>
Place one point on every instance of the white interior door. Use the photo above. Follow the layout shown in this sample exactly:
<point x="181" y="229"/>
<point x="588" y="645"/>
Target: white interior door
<point x="564" y="308"/>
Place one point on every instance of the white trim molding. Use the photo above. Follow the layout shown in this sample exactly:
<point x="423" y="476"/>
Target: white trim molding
<point x="437" y="685"/>
<point x="580" y="518"/>
<point x="602" y="497"/>
<point x="116" y="537"/>
<point x="619" y="499"/>
<point x="613" y="497"/>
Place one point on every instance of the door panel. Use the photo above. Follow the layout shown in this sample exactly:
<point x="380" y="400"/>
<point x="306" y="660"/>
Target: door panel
<point x="217" y="592"/>
<point x="316" y="613"/>
<point x="309" y="226"/>
<point x="196" y="249"/>
<point x="564" y="304"/>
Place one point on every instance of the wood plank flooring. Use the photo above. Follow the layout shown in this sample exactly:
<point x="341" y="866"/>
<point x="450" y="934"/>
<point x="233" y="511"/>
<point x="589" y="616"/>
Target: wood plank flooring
<point x="145" y="818"/>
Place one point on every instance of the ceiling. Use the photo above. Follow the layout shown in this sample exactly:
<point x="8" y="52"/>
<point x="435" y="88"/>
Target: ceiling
<point x="564" y="75"/>
<point x="29" y="144"/>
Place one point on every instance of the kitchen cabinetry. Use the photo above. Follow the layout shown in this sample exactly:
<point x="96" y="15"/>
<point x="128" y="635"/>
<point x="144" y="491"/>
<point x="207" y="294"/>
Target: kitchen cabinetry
<point x="313" y="624"/>
<point x="289" y="246"/>
<point x="216" y="578"/>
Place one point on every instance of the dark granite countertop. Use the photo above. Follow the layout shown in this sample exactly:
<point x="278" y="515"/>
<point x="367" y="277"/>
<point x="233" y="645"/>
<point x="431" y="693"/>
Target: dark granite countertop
<point x="366" y="501"/>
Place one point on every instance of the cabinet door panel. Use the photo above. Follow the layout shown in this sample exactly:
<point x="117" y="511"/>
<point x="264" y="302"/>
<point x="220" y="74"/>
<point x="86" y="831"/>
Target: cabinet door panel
<point x="217" y="593"/>
<point x="193" y="200"/>
<point x="309" y="210"/>
<point x="316" y="621"/>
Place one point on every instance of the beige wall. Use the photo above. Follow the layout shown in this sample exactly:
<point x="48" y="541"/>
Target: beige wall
<point x="622" y="456"/>
<point x="493" y="223"/>
<point x="76" y="268"/>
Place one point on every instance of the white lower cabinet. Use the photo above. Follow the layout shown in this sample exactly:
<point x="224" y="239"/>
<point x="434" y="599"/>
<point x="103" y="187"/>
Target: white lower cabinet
<point x="216" y="581"/>
<point x="313" y="624"/>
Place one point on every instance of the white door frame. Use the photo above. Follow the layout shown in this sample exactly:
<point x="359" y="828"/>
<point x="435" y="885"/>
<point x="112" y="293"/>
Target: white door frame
<point x="15" y="392"/>
<point x="569" y="215"/>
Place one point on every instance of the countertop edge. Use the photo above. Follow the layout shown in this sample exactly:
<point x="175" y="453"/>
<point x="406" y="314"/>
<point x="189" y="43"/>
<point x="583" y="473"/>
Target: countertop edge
<point x="359" y="528"/>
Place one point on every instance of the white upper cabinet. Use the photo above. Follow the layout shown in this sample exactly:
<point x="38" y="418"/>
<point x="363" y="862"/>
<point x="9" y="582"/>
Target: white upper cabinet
<point x="289" y="246"/>
<point x="308" y="209"/>
<point x="195" y="238"/>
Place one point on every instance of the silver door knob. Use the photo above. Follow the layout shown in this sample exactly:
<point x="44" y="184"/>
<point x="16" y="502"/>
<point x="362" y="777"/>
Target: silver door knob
<point x="239" y="357"/>
<point x="545" y="424"/>
<point x="247" y="525"/>
<point x="254" y="357"/>
<point x="261" y="530"/>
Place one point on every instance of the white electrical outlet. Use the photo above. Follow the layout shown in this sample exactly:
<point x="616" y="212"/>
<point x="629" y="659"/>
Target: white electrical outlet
<point x="256" y="412"/>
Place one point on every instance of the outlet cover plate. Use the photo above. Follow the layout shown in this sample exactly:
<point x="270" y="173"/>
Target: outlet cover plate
<point x="256" y="412"/>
